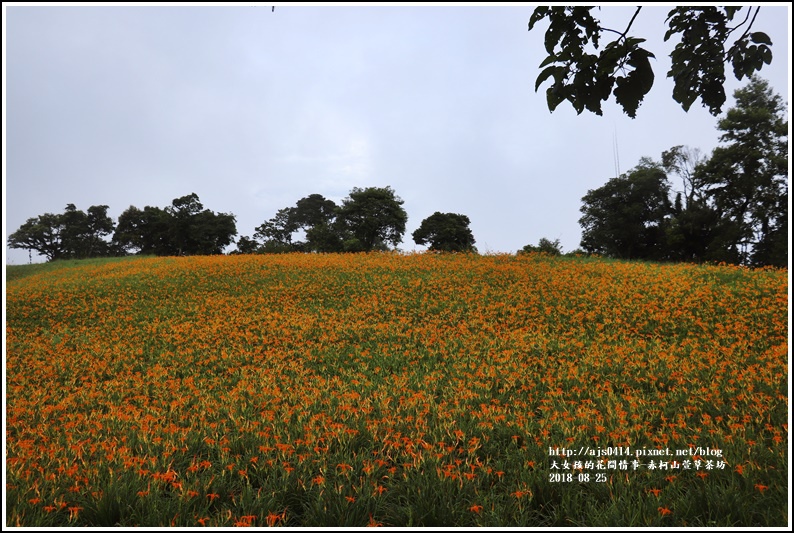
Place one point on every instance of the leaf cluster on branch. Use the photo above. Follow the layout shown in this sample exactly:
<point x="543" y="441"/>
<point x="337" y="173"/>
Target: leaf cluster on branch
<point x="586" y="75"/>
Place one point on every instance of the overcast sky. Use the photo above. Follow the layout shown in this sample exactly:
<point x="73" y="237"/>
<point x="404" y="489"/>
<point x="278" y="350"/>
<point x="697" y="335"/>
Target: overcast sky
<point x="253" y="110"/>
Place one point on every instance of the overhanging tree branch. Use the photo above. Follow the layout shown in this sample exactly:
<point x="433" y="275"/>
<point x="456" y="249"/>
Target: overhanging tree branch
<point x="623" y="70"/>
<point x="626" y="31"/>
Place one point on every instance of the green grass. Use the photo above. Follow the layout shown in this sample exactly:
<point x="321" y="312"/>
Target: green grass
<point x="17" y="272"/>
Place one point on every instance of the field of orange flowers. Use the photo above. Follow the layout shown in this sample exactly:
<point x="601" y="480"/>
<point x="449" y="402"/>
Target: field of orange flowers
<point x="396" y="390"/>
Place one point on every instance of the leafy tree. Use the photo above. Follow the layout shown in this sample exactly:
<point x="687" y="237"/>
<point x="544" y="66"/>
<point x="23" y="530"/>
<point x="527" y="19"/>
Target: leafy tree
<point x="313" y="210"/>
<point x="627" y="217"/>
<point x="194" y="230"/>
<point x="746" y="180"/>
<point x="697" y="233"/>
<point x="445" y="232"/>
<point x="99" y="226"/>
<point x="371" y="219"/>
<point x="246" y="245"/>
<point x="316" y="215"/>
<point x="83" y="233"/>
<point x="74" y="228"/>
<point x="182" y="212"/>
<point x="72" y="234"/>
<point x="184" y="227"/>
<point x="683" y="160"/>
<point x="622" y="67"/>
<point x="211" y="232"/>
<point x="276" y="233"/>
<point x="544" y="246"/>
<point x="42" y="234"/>
<point x="145" y="231"/>
<point x="324" y="238"/>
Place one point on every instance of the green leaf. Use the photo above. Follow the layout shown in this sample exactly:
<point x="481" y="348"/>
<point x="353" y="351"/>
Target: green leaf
<point x="610" y="58"/>
<point x="578" y="105"/>
<point x="713" y="95"/>
<point x="543" y="76"/>
<point x="553" y="35"/>
<point x="766" y="54"/>
<point x="643" y="70"/>
<point x="538" y="15"/>
<point x="677" y="21"/>
<point x="553" y="97"/>
<point x="632" y="42"/>
<point x="631" y="90"/>
<point x="549" y="60"/>
<point x="760" y="38"/>
<point x="730" y="11"/>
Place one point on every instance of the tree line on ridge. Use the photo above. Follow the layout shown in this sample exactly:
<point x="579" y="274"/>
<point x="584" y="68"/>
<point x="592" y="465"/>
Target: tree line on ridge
<point x="733" y="208"/>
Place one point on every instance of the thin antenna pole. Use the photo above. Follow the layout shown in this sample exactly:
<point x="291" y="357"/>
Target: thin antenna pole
<point x="615" y="153"/>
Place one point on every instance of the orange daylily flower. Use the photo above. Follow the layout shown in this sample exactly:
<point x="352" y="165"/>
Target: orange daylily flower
<point x="347" y="361"/>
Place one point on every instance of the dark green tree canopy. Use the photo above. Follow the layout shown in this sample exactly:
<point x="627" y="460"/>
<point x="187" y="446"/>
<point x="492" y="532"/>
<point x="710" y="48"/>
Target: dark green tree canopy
<point x="313" y="210"/>
<point x="183" y="228"/>
<point x="586" y="77"/>
<point x="144" y="231"/>
<point x="198" y="231"/>
<point x="746" y="179"/>
<point x="185" y="207"/>
<point x="544" y="246"/>
<point x="445" y="232"/>
<point x="626" y="218"/>
<point x="734" y="204"/>
<point x="373" y="218"/>
<point x="246" y="245"/>
<point x="683" y="160"/>
<point x="314" y="215"/>
<point x="84" y="234"/>
<point x="73" y="234"/>
<point x="42" y="234"/>
<point x="211" y="232"/>
<point x="276" y="233"/>
<point x="368" y="219"/>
